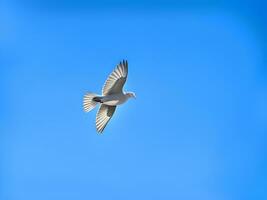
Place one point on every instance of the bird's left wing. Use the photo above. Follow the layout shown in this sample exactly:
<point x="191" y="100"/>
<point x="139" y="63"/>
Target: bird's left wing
<point x="103" y="116"/>
<point x="116" y="79"/>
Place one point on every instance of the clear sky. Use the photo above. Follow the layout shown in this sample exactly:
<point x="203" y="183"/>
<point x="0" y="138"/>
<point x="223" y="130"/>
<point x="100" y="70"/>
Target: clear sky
<point x="197" y="129"/>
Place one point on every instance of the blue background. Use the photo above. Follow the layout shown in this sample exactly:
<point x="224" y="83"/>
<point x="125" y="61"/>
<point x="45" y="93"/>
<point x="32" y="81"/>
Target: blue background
<point x="196" y="131"/>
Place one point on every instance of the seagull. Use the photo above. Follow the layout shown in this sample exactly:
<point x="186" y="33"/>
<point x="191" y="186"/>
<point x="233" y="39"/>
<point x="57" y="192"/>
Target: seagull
<point x="112" y="96"/>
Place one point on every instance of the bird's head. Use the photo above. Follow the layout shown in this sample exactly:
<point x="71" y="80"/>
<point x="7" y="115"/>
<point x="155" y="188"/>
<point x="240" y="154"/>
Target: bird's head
<point x="130" y="95"/>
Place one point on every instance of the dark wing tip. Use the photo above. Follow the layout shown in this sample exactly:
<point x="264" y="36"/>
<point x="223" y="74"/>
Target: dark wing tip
<point x="125" y="64"/>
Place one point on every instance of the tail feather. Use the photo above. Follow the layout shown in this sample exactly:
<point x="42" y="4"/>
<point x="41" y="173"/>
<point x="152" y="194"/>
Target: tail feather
<point x="88" y="102"/>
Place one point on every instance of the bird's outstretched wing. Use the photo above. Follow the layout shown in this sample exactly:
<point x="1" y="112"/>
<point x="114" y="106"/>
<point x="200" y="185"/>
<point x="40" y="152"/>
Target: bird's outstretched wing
<point x="103" y="116"/>
<point x="116" y="79"/>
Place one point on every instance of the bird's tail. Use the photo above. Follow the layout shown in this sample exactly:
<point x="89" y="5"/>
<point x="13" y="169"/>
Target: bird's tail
<point x="88" y="102"/>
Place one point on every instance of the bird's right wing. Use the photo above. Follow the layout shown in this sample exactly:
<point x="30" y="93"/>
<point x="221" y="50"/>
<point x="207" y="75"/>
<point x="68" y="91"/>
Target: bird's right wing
<point x="116" y="79"/>
<point x="103" y="116"/>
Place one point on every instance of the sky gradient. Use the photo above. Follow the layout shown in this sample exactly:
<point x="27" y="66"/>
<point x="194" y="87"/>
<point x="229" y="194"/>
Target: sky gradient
<point x="197" y="129"/>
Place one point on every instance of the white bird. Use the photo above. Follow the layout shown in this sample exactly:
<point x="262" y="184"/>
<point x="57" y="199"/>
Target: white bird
<point x="112" y="96"/>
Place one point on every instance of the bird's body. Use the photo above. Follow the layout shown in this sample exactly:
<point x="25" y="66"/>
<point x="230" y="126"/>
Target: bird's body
<point x="113" y="99"/>
<point x="112" y="96"/>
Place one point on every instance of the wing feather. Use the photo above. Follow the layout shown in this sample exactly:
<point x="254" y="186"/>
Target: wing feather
<point x="103" y="116"/>
<point x="116" y="79"/>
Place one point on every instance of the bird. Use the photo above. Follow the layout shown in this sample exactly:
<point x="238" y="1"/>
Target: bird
<point x="112" y="96"/>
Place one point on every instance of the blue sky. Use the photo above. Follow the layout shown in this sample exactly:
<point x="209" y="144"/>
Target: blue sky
<point x="197" y="129"/>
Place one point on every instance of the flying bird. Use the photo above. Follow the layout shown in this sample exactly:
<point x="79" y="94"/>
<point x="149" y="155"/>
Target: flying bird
<point x="112" y="96"/>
